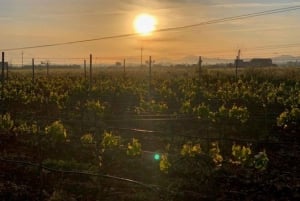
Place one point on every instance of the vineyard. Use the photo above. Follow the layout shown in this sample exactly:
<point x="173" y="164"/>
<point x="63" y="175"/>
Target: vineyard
<point x="176" y="136"/>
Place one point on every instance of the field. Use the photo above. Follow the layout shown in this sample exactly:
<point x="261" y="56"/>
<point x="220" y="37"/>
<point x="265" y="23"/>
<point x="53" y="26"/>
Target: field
<point x="175" y="135"/>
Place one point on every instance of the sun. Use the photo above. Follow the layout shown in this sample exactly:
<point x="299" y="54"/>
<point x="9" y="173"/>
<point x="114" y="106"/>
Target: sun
<point x="144" y="24"/>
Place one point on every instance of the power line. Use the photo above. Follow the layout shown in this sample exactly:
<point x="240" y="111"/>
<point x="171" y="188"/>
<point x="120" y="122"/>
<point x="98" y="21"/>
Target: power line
<point x="233" y="51"/>
<point x="239" y="17"/>
<point x="273" y="47"/>
<point x="177" y="28"/>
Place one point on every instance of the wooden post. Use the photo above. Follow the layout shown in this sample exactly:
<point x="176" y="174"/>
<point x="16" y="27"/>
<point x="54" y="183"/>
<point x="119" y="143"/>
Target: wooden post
<point x="237" y="64"/>
<point x="2" y="85"/>
<point x="150" y="72"/>
<point x="7" y="71"/>
<point x="22" y="59"/>
<point x="200" y="65"/>
<point x="141" y="56"/>
<point x="91" y="73"/>
<point x="32" y="70"/>
<point x="2" y="73"/>
<point x="124" y="63"/>
<point x="84" y="66"/>
<point x="47" y="65"/>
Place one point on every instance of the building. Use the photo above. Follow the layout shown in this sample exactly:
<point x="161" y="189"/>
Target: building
<point x="261" y="62"/>
<point x="255" y="62"/>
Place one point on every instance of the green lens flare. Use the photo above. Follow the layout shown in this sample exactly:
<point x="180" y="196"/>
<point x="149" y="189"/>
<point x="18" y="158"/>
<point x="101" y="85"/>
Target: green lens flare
<point x="156" y="156"/>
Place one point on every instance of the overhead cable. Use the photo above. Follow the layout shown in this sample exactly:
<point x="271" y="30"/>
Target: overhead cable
<point x="176" y="28"/>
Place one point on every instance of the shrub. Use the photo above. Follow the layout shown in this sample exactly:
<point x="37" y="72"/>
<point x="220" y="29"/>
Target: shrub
<point x="56" y="132"/>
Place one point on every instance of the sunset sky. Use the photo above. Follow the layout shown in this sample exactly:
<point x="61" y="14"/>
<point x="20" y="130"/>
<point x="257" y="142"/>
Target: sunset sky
<point x="41" y="22"/>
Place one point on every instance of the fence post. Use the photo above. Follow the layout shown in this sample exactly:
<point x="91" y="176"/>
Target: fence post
<point x="237" y="64"/>
<point x="32" y="70"/>
<point x="7" y="71"/>
<point x="200" y="64"/>
<point x="84" y="66"/>
<point x="2" y="73"/>
<point x="2" y="85"/>
<point x="150" y="72"/>
<point x="22" y="59"/>
<point x="91" y="73"/>
<point x="47" y="65"/>
<point x="142" y="56"/>
<point x="124" y="63"/>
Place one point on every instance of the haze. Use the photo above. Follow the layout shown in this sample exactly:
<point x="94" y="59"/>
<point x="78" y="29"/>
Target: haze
<point x="38" y="22"/>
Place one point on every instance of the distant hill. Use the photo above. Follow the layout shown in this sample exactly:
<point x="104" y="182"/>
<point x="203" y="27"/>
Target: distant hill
<point x="285" y="59"/>
<point x="192" y="59"/>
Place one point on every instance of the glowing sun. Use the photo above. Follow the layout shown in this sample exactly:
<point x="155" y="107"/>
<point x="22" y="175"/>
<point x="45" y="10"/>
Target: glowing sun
<point x="144" y="24"/>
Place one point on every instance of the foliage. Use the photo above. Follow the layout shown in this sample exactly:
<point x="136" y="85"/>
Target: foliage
<point x="94" y="107"/>
<point x="164" y="163"/>
<point x="109" y="140"/>
<point x="87" y="138"/>
<point x="233" y="114"/>
<point x="28" y="128"/>
<point x="134" y="148"/>
<point x="289" y="118"/>
<point x="151" y="107"/>
<point x="239" y="114"/>
<point x="186" y="107"/>
<point x="214" y="153"/>
<point x="261" y="160"/>
<point x="203" y="112"/>
<point x="214" y="104"/>
<point x="6" y="123"/>
<point x="190" y="150"/>
<point x="241" y="154"/>
<point x="56" y="132"/>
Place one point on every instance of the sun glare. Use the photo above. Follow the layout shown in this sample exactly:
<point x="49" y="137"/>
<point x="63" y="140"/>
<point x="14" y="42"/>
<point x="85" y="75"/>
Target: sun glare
<point x="144" y="24"/>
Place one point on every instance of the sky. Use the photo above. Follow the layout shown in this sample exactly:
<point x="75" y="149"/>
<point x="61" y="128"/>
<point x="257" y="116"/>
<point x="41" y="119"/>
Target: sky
<point x="40" y="22"/>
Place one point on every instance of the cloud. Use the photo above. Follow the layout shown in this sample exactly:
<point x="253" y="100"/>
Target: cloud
<point x="262" y="29"/>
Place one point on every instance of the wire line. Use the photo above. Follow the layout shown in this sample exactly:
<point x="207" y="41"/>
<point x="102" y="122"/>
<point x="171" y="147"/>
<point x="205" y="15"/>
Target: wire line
<point x="177" y="28"/>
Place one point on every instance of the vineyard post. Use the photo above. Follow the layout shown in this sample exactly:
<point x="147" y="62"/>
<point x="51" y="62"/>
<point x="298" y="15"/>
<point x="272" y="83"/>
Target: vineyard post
<point x="150" y="63"/>
<point x="237" y="63"/>
<point x="91" y="65"/>
<point x="2" y="74"/>
<point x="7" y="72"/>
<point x="47" y="65"/>
<point x="124" y="63"/>
<point x="2" y="85"/>
<point x="236" y="66"/>
<point x="200" y="64"/>
<point x="142" y="56"/>
<point x="84" y="66"/>
<point x="32" y="70"/>
<point x="22" y="58"/>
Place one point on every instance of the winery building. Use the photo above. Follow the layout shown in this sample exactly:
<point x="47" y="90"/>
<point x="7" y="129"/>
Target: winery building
<point x="256" y="62"/>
